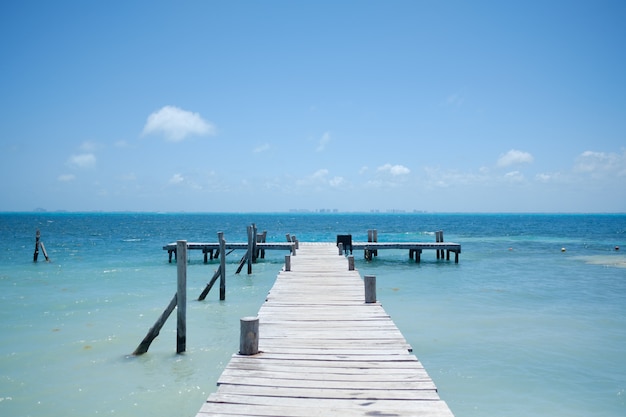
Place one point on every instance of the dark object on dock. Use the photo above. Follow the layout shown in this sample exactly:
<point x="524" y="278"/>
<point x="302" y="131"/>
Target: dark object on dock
<point x="346" y="241"/>
<point x="39" y="244"/>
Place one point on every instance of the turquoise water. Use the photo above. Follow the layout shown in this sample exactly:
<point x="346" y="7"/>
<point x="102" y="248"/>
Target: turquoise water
<point x="519" y="327"/>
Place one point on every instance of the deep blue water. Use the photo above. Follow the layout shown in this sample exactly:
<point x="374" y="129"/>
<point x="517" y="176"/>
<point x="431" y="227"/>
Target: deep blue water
<point x="532" y="321"/>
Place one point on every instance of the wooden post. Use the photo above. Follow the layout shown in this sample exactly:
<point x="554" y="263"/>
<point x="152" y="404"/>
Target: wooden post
<point x="36" y="254"/>
<point x="222" y="242"/>
<point x="370" y="288"/>
<point x="156" y="328"/>
<point x="249" y="337"/>
<point x="250" y="248"/>
<point x="254" y="247"/>
<point x="39" y="244"/>
<point x="263" y="238"/>
<point x="181" y="296"/>
<point x="350" y="262"/>
<point x="340" y="246"/>
<point x="287" y="263"/>
<point x="375" y="239"/>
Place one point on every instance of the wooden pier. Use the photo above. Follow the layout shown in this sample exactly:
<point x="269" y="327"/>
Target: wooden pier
<point x="324" y="351"/>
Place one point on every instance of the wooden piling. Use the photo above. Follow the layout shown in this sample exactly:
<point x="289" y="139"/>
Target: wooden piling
<point x="287" y="263"/>
<point x="350" y="262"/>
<point x="370" y="288"/>
<point x="181" y="296"/>
<point x="156" y="328"/>
<point x="36" y="254"/>
<point x="249" y="336"/>
<point x="251" y="239"/>
<point x="39" y="244"/>
<point x="222" y="242"/>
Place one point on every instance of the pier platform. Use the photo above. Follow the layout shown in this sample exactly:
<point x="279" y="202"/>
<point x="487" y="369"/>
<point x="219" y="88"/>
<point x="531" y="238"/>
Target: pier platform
<point x="323" y="351"/>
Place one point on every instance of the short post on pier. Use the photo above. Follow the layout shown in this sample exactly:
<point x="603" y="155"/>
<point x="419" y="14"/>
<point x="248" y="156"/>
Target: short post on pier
<point x="181" y="296"/>
<point x="370" y="288"/>
<point x="287" y="263"/>
<point x="350" y="262"/>
<point x="249" y="337"/>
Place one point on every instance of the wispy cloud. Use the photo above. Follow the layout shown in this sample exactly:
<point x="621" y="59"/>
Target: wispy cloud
<point x="176" y="179"/>
<point x="324" y="140"/>
<point x="601" y="163"/>
<point x="82" y="161"/>
<point x="394" y="170"/>
<point x="262" y="148"/>
<point x="514" y="157"/>
<point x="176" y="124"/>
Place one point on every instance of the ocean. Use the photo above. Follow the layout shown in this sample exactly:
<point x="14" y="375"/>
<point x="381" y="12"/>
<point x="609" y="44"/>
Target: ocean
<point x="531" y="321"/>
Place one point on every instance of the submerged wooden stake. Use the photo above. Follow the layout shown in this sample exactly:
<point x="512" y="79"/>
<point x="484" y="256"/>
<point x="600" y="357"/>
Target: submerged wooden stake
<point x="155" y="329"/>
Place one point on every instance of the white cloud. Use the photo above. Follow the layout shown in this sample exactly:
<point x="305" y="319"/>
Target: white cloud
<point x="85" y="160"/>
<point x="66" y="177"/>
<point x="262" y="148"/>
<point x="514" y="176"/>
<point x="176" y="124"/>
<point x="320" y="174"/>
<point x="514" y="157"/>
<point x="336" y="181"/>
<point x="363" y="170"/>
<point x="323" y="142"/>
<point x="600" y="163"/>
<point x="176" y="179"/>
<point x="394" y="169"/>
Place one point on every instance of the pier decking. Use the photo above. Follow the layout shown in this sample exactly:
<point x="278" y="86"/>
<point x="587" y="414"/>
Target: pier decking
<point x="324" y="352"/>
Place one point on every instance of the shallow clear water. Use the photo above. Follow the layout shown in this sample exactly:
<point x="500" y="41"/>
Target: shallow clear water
<point x="518" y="327"/>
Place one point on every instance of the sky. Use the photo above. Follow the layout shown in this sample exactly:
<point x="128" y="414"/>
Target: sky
<point x="270" y="106"/>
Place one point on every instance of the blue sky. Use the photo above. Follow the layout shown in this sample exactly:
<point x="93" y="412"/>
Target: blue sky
<point x="453" y="106"/>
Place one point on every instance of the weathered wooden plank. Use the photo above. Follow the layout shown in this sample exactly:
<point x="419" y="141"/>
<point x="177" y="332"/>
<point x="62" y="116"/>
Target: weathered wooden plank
<point x="381" y="390"/>
<point x="304" y="407"/>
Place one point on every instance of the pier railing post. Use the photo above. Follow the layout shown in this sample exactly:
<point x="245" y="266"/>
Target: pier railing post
<point x="222" y="242"/>
<point x="370" y="288"/>
<point x="249" y="337"/>
<point x="181" y="296"/>
<point x="340" y="246"/>
<point x="287" y="263"/>
<point x="350" y="262"/>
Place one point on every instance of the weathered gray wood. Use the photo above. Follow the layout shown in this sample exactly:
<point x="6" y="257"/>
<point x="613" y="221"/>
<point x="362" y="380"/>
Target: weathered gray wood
<point x="208" y="287"/>
<point x="249" y="336"/>
<point x="287" y="263"/>
<point x="350" y="262"/>
<point x="36" y="253"/>
<point x="181" y="296"/>
<point x="156" y="328"/>
<point x="370" y="288"/>
<point x="220" y="238"/>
